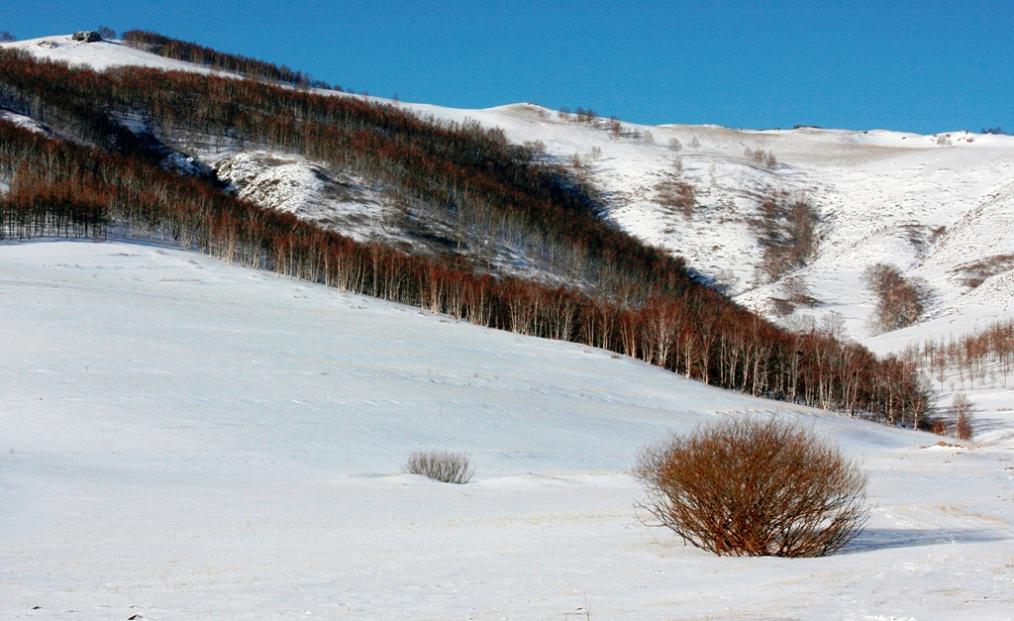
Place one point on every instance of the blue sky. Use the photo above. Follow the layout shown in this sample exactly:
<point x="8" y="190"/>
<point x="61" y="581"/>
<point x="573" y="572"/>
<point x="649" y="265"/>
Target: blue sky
<point x="918" y="66"/>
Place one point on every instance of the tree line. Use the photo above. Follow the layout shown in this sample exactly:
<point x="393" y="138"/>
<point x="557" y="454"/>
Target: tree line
<point x="973" y="357"/>
<point x="187" y="51"/>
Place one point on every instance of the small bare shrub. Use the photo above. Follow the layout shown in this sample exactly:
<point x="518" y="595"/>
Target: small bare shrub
<point x="536" y="149"/>
<point x="782" y="307"/>
<point x="962" y="417"/>
<point x="976" y="272"/>
<point x="441" y="466"/>
<point x="676" y="193"/>
<point x="747" y="488"/>
<point x="797" y="291"/>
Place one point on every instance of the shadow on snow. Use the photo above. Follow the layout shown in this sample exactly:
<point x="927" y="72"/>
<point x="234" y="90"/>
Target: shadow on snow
<point x="885" y="538"/>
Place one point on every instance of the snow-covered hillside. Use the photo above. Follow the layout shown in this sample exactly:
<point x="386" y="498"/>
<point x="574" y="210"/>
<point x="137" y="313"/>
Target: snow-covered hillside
<point x="192" y="439"/>
<point x="938" y="207"/>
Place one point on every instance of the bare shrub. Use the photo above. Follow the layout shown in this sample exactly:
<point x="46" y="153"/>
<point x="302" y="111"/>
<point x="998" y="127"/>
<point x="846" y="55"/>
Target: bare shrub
<point x="615" y="128"/>
<point x="760" y="156"/>
<point x="536" y="148"/>
<point x="585" y="115"/>
<point x="782" y="307"/>
<point x="441" y="466"/>
<point x="962" y="417"/>
<point x="748" y="488"/>
<point x="976" y="272"/>
<point x="787" y="232"/>
<point x="797" y="291"/>
<point x="900" y="301"/>
<point x="676" y="193"/>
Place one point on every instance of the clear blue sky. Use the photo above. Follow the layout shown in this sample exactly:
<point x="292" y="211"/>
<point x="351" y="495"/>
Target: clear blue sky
<point x="922" y="66"/>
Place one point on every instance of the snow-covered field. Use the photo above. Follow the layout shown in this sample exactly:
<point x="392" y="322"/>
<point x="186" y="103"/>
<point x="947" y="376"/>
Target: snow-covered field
<point x="181" y="438"/>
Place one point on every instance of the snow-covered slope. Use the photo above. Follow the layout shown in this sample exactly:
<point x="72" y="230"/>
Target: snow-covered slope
<point x="189" y="439"/>
<point x="291" y="183"/>
<point x="938" y="207"/>
<point x="100" y="55"/>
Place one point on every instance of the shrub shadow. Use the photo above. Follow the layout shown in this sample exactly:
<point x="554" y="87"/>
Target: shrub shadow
<point x="886" y="538"/>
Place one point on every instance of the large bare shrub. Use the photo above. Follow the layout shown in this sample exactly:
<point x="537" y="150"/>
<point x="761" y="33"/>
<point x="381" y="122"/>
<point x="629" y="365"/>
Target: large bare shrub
<point x="748" y="488"/>
<point x="441" y="466"/>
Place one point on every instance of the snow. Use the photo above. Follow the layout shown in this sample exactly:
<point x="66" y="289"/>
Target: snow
<point x="292" y="184"/>
<point x="101" y="55"/>
<point x="879" y="195"/>
<point x="23" y="121"/>
<point x="185" y="438"/>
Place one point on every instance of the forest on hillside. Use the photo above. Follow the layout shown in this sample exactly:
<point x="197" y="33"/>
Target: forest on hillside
<point x="97" y="176"/>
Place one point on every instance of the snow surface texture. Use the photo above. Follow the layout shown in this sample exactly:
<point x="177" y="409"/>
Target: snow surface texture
<point x="186" y="439"/>
<point x="879" y="196"/>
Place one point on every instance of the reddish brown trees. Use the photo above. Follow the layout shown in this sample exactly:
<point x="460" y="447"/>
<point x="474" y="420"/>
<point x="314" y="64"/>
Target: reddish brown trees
<point x="899" y="299"/>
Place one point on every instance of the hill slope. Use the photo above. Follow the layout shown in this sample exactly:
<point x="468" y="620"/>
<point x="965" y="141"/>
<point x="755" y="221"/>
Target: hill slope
<point x="938" y="207"/>
<point x="191" y="438"/>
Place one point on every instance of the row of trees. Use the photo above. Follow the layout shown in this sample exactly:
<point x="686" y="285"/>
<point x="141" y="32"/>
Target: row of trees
<point x="973" y="357"/>
<point x="208" y="57"/>
<point x="695" y="332"/>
